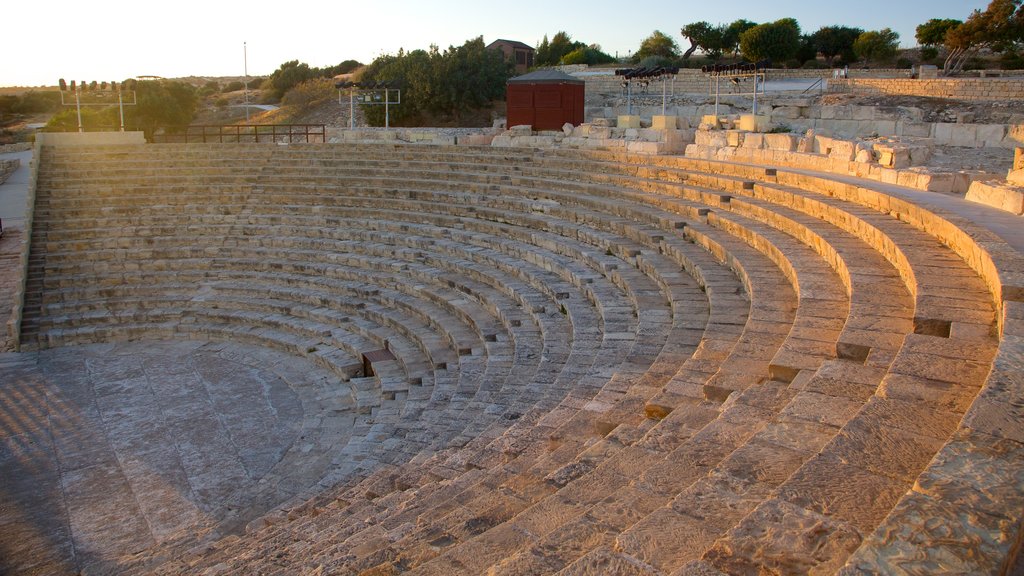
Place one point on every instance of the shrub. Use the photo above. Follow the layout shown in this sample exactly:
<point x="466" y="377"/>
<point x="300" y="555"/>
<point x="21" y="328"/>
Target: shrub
<point x="309" y="92"/>
<point x="655" y="61"/>
<point x="233" y="86"/>
<point x="929" y="54"/>
<point x="778" y="41"/>
<point x="814" y="65"/>
<point x="904" y="63"/>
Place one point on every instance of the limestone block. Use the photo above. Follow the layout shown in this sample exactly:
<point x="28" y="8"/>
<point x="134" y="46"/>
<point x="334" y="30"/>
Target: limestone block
<point x="710" y="120"/>
<point x="942" y="132"/>
<point x="734" y="138"/>
<point x="1018" y="158"/>
<point x="786" y="112"/>
<point x="990" y="135"/>
<point x="1014" y="136"/>
<point x="1002" y="196"/>
<point x="753" y="140"/>
<point x="581" y="131"/>
<point x="863" y="113"/>
<point x="651" y="135"/>
<point x="599" y="132"/>
<point x="664" y="122"/>
<point x="864" y="156"/>
<point x="683" y="122"/>
<point x="936" y="181"/>
<point x="521" y="130"/>
<point x="1016" y="177"/>
<point x="843" y="150"/>
<point x="754" y="123"/>
<point x="631" y="134"/>
<point x="827" y="112"/>
<point x="784" y="142"/>
<point x="602" y="123"/>
<point x="628" y="121"/>
<point x="501" y="141"/>
<point x="806" y="144"/>
<point x="567" y="128"/>
<point x="639" y="147"/>
<point x="916" y="129"/>
<point x="676" y="140"/>
<point x="884" y="127"/>
<point x="476" y="140"/>
<point x="919" y="155"/>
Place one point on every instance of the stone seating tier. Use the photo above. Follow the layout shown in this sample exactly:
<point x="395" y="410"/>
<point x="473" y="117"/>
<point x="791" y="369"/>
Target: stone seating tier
<point x="632" y="348"/>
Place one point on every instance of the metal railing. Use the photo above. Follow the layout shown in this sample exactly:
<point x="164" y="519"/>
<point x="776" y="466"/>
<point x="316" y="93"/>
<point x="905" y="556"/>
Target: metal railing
<point x="819" y="84"/>
<point x="249" y="133"/>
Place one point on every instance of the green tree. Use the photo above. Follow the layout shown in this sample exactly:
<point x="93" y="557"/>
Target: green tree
<point x="590" y="55"/>
<point x="346" y="67"/>
<point x="731" y="36"/>
<point x="702" y="35"/>
<point x="93" y="120"/>
<point x="999" y="28"/>
<point x="472" y="78"/>
<point x="447" y="84"/>
<point x="776" y="41"/>
<point x="832" y="41"/>
<point x="877" y="46"/>
<point x="288" y="75"/>
<point x="551" y="53"/>
<point x="166" y="104"/>
<point x="933" y="32"/>
<point x="657" y="44"/>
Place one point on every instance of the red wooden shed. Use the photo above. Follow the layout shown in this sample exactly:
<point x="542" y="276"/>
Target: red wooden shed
<point x="545" y="99"/>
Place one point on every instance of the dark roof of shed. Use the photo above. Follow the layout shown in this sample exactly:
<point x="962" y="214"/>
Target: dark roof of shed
<point x="513" y="43"/>
<point x="546" y="77"/>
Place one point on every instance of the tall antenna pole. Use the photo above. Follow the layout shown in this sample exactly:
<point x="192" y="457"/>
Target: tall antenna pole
<point x="245" y="55"/>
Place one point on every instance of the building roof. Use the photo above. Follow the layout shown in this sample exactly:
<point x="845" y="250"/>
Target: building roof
<point x="513" y="43"/>
<point x="546" y="77"/>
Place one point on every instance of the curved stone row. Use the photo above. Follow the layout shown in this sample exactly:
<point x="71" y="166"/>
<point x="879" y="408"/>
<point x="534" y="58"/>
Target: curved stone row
<point x="595" y="353"/>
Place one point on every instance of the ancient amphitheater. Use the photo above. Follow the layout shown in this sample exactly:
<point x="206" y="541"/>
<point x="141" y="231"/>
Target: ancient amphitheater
<point x="383" y="359"/>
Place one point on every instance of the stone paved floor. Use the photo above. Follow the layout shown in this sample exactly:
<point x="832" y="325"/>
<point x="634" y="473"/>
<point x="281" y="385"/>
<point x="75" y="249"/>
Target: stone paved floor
<point x="109" y="449"/>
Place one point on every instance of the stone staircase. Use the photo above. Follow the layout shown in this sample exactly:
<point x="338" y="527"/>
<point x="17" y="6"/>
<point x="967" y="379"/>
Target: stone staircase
<point x="603" y="363"/>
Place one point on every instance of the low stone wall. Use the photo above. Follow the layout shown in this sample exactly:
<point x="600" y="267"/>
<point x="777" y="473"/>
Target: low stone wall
<point x="435" y="136"/>
<point x="888" y="164"/>
<point x="693" y="81"/>
<point x="17" y="147"/>
<point x="953" y="88"/>
<point x="599" y="136"/>
<point x="89" y="138"/>
<point x="7" y="167"/>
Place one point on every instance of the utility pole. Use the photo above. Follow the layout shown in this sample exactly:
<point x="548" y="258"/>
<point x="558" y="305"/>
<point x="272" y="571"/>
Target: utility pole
<point x="245" y="56"/>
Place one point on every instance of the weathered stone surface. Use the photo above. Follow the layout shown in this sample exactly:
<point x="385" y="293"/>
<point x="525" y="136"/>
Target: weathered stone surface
<point x="782" y="538"/>
<point x="923" y="535"/>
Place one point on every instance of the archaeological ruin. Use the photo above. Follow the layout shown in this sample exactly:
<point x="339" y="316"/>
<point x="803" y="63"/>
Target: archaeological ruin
<point x="686" y="346"/>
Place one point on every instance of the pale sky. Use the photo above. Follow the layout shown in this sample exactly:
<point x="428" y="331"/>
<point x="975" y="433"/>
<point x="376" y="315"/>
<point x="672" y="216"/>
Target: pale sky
<point x="42" y="41"/>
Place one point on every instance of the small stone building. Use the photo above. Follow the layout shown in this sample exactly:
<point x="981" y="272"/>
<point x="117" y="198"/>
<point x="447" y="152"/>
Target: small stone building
<point x="520" y="54"/>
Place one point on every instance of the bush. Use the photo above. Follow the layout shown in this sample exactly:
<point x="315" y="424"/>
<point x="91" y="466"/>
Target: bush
<point x="310" y="92"/>
<point x="814" y="65"/>
<point x="221" y="102"/>
<point x="587" y="55"/>
<point x="1011" y="61"/>
<point x="778" y="41"/>
<point x="656" y="61"/>
<point x="233" y="86"/>
<point x="904" y="63"/>
<point x="929" y="54"/>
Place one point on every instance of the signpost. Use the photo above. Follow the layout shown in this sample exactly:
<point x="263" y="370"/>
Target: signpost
<point x="370" y="94"/>
<point x="98" y="94"/>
